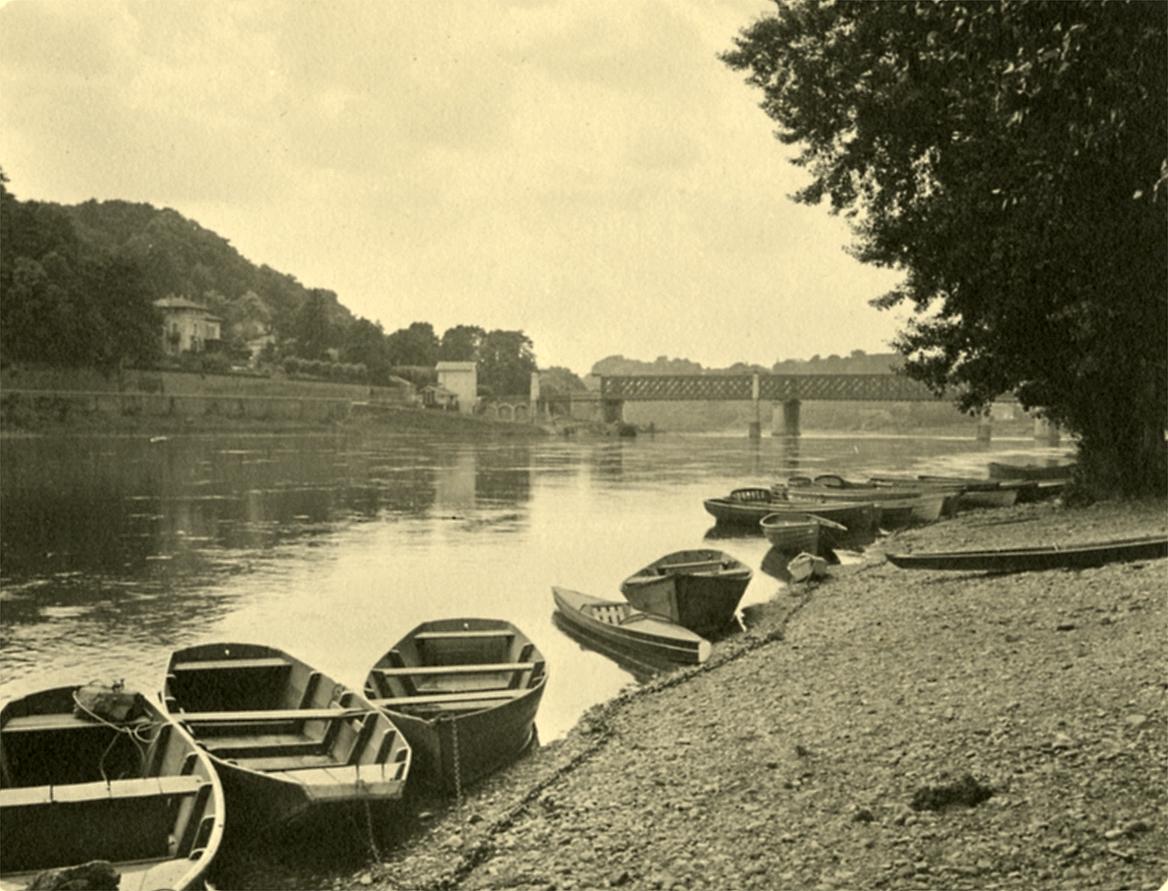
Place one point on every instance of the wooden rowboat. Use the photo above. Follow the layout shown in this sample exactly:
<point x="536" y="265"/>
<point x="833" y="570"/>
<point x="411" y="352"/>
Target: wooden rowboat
<point x="289" y="742"/>
<point x="858" y="517"/>
<point x="136" y="792"/>
<point x="465" y="693"/>
<point x="1000" y="470"/>
<point x="697" y="589"/>
<point x="792" y="533"/>
<point x="619" y="622"/>
<point x="1038" y="558"/>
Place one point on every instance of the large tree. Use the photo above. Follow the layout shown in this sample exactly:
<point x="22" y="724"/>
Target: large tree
<point x="1009" y="158"/>
<point x="506" y="362"/>
<point x="461" y="343"/>
<point x="416" y="345"/>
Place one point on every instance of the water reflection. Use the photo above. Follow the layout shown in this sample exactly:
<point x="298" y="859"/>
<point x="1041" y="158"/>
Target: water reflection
<point x="113" y="551"/>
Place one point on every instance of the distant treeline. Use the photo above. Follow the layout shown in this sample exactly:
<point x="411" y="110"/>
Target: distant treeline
<point x="79" y="283"/>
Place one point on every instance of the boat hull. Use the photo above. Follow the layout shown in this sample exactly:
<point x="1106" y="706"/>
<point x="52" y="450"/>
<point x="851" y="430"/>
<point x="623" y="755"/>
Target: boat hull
<point x="160" y="828"/>
<point x="791" y="536"/>
<point x="659" y="639"/>
<point x="436" y="677"/>
<point x="243" y="704"/>
<point x="1037" y="559"/>
<point x="704" y="600"/>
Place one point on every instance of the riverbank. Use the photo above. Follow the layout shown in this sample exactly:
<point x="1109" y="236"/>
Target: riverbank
<point x="384" y="420"/>
<point x="812" y="750"/>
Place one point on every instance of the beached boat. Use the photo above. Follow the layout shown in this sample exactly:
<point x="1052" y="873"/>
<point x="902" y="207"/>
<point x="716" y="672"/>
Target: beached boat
<point x="289" y="742"/>
<point x="1000" y="470"/>
<point x="697" y="589"/>
<point x="934" y="500"/>
<point x="803" y="567"/>
<point x="857" y="516"/>
<point x="792" y="533"/>
<point x="465" y="693"/>
<point x="637" y="631"/>
<point x="1075" y="556"/>
<point x="128" y="786"/>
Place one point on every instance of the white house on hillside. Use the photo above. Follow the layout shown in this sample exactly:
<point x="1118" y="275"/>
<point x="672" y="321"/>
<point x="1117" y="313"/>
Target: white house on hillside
<point x="187" y="327"/>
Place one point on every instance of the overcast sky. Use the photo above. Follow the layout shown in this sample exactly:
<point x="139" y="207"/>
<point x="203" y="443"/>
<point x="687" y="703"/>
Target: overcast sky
<point x="586" y="171"/>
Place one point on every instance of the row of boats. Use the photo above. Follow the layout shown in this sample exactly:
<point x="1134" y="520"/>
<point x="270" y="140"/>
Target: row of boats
<point x="249" y="739"/>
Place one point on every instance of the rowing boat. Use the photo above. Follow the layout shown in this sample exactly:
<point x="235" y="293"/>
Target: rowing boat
<point x="465" y="693"/>
<point x="289" y="742"/>
<point x="1000" y="470"/>
<point x="1038" y="558"/>
<point x="130" y="788"/>
<point x="792" y="533"/>
<point x="745" y="506"/>
<point x="637" y="631"/>
<point x="858" y="517"/>
<point x="698" y="589"/>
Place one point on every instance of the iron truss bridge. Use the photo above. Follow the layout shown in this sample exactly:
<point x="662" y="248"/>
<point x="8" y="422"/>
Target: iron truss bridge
<point x="764" y="387"/>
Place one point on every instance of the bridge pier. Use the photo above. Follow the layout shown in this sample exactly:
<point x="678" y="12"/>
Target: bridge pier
<point x="755" y="425"/>
<point x="613" y="411"/>
<point x="785" y="418"/>
<point x="1045" y="432"/>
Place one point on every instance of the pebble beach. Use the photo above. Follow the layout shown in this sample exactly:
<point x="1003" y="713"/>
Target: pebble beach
<point x="882" y="728"/>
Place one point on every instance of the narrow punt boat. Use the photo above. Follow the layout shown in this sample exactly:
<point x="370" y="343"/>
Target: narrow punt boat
<point x="934" y="500"/>
<point x="988" y="493"/>
<point x="697" y="589"/>
<point x="792" y="533"/>
<point x="465" y="693"/>
<point x="1000" y="470"/>
<point x="1037" y="558"/>
<point x="289" y="742"/>
<point x="130" y="788"/>
<point x="858" y="517"/>
<point x="639" y="632"/>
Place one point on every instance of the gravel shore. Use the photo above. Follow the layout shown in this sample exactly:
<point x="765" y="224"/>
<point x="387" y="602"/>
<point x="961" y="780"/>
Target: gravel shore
<point x="882" y="729"/>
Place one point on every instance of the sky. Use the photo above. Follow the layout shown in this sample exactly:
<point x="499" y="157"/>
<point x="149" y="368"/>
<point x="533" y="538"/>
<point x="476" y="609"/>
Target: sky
<point x="588" y="172"/>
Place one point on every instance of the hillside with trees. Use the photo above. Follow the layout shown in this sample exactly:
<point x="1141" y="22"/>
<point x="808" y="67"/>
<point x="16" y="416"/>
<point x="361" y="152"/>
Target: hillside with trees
<point x="79" y="283"/>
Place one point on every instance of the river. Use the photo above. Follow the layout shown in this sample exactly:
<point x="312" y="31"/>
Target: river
<point x="114" y="550"/>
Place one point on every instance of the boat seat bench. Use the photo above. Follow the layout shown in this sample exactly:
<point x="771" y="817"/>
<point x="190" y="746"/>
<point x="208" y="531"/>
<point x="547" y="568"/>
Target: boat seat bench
<point x="696" y="565"/>
<point x="76" y="793"/>
<point x="461" y="635"/>
<point x="230" y="664"/>
<point x="54" y="722"/>
<point x="484" y="668"/>
<point x="274" y="714"/>
<point x="453" y="696"/>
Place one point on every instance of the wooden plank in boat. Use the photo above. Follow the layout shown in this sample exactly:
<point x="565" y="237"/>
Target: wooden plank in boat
<point x="484" y="668"/>
<point x="454" y="696"/>
<point x="274" y="714"/>
<point x="229" y="664"/>
<point x="278" y="763"/>
<point x="461" y="635"/>
<point x="57" y="721"/>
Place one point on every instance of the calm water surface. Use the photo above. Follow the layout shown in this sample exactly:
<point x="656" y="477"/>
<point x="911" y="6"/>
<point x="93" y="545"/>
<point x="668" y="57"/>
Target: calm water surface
<point x="113" y="551"/>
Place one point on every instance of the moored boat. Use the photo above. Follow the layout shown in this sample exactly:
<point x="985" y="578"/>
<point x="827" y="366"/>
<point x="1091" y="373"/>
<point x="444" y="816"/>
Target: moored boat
<point x="1004" y="471"/>
<point x="82" y="783"/>
<point x="465" y="693"/>
<point x="792" y="533"/>
<point x="698" y="589"/>
<point x="1075" y="556"/>
<point x="289" y="742"/>
<point x="744" y="507"/>
<point x="637" y="631"/>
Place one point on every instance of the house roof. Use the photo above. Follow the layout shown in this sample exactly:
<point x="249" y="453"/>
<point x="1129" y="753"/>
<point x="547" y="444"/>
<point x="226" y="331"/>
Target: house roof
<point x="181" y="303"/>
<point x="437" y="390"/>
<point x="456" y="366"/>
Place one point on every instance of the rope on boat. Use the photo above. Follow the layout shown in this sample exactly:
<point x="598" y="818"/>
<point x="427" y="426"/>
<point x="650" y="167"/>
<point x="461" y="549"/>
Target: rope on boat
<point x="132" y="732"/>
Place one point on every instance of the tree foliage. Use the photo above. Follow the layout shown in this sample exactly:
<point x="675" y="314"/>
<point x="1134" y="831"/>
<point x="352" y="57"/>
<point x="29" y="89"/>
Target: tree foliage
<point x="415" y="345"/>
<point x="461" y="343"/>
<point x="506" y="361"/>
<point x="1009" y="158"/>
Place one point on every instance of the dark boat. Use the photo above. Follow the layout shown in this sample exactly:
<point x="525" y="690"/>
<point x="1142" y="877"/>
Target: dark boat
<point x="697" y="589"/>
<point x="639" y="632"/>
<point x="465" y="693"/>
<point x="792" y="533"/>
<point x="1076" y="556"/>
<point x="1000" y="470"/>
<point x="129" y="787"/>
<point x="642" y="666"/>
<point x="746" y="507"/>
<point x="289" y="742"/>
